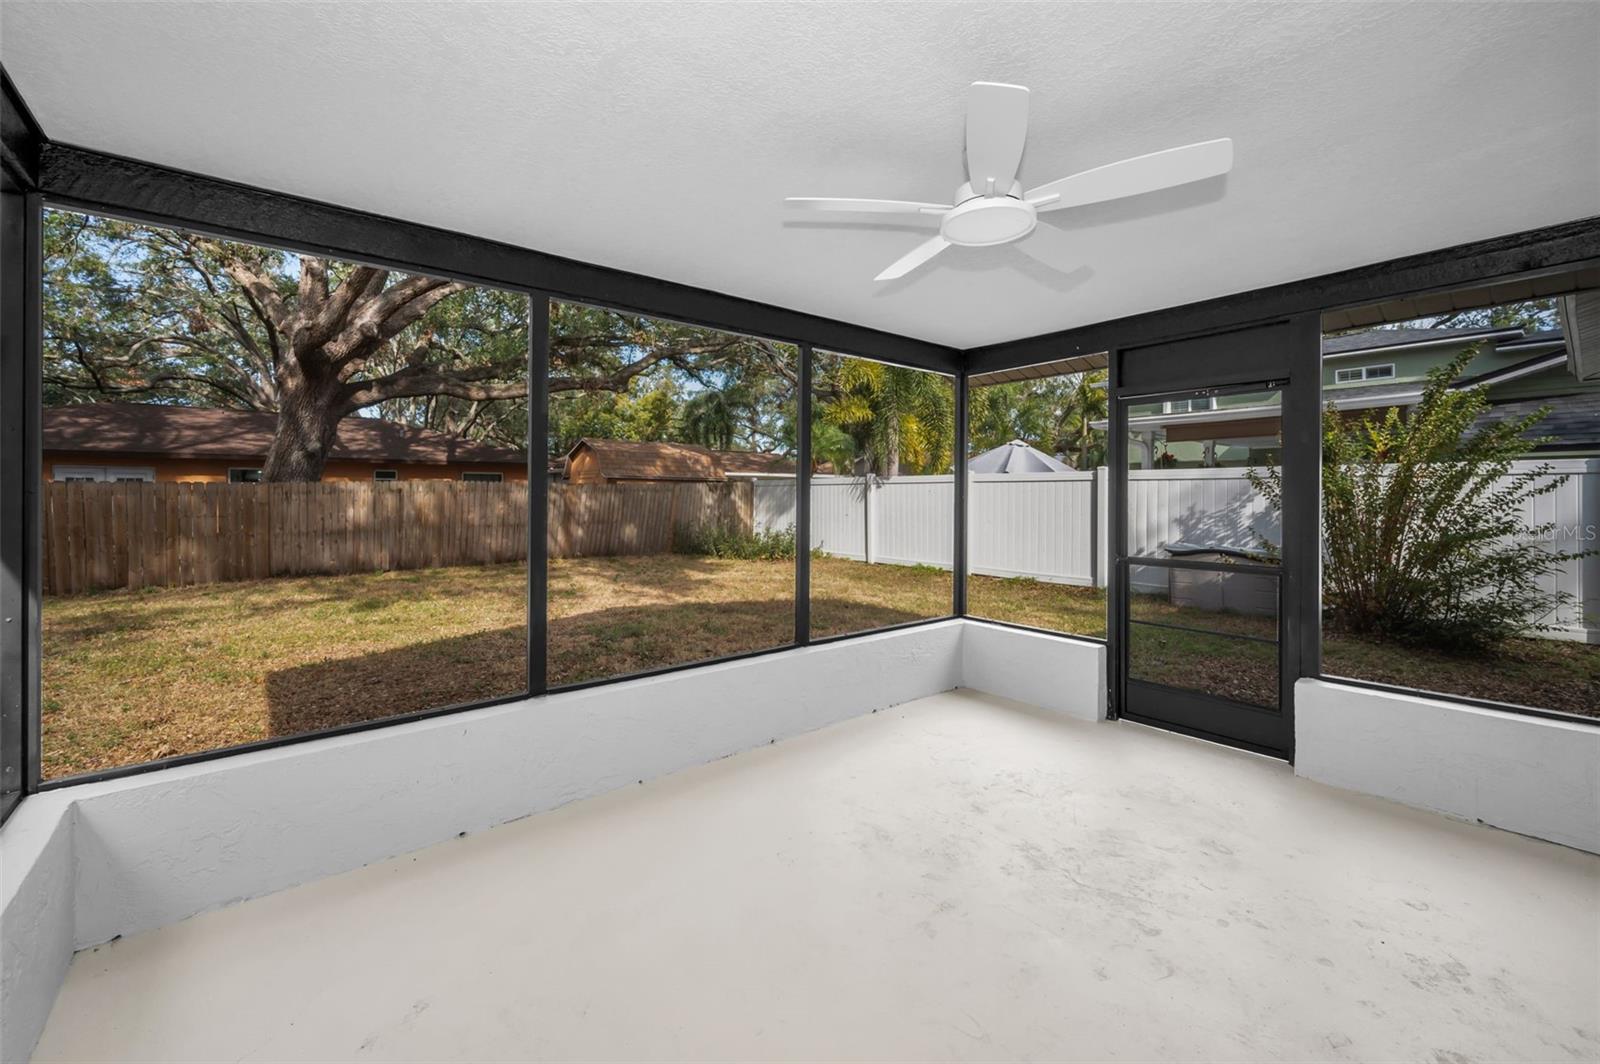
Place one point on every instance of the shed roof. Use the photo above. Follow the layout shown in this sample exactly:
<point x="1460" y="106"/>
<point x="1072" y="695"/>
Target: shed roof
<point x="194" y="432"/>
<point x="664" y="460"/>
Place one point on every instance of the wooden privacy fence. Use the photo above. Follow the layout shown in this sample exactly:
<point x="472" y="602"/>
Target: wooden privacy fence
<point x="98" y="536"/>
<point x="648" y="517"/>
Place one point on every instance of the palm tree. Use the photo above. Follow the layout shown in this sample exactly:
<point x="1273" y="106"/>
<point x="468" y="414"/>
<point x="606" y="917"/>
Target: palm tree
<point x="712" y="418"/>
<point x="831" y="446"/>
<point x="896" y="415"/>
<point x="1083" y="404"/>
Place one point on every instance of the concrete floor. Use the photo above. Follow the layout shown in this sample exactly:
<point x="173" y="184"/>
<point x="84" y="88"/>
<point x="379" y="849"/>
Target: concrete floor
<point x="957" y="878"/>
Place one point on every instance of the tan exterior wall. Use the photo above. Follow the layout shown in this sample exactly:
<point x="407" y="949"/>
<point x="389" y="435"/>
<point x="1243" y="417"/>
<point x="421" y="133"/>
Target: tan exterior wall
<point x="215" y="471"/>
<point x="583" y="469"/>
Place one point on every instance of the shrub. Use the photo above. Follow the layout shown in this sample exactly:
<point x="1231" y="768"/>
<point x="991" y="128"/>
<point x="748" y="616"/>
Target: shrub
<point x="1423" y="537"/>
<point x="736" y="543"/>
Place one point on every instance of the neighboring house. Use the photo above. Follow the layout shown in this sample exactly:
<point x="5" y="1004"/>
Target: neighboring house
<point x="142" y="441"/>
<point x="1381" y="368"/>
<point x="594" y="461"/>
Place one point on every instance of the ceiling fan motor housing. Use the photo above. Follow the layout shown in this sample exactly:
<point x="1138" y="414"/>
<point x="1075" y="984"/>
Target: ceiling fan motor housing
<point x="979" y="221"/>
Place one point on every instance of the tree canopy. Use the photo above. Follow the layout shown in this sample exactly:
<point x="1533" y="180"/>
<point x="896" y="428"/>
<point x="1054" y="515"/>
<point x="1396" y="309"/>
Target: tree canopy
<point x="1054" y="414"/>
<point x="142" y="313"/>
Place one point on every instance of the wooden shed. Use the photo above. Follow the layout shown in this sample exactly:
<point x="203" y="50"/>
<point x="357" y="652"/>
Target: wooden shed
<point x="597" y="461"/>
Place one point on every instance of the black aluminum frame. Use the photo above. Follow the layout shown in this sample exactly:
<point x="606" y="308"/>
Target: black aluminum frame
<point x="38" y="172"/>
<point x="802" y="502"/>
<point x="961" y="553"/>
<point x="958" y="560"/>
<point x="1285" y="354"/>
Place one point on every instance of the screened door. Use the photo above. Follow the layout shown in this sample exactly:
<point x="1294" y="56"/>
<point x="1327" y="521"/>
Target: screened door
<point x="1200" y="586"/>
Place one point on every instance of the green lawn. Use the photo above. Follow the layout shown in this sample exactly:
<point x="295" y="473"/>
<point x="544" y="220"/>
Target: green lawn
<point x="1545" y="673"/>
<point x="133" y="676"/>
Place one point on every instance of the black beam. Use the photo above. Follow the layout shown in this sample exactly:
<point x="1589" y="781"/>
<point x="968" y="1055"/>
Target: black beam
<point x="21" y="139"/>
<point x="95" y="181"/>
<point x="802" y="503"/>
<point x="14" y="461"/>
<point x="538" y="492"/>
<point x="1116" y="535"/>
<point x="1302" y="506"/>
<point x="1485" y="261"/>
<point x="958" y="566"/>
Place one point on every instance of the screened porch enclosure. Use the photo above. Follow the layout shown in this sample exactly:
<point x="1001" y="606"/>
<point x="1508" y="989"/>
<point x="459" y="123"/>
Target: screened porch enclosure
<point x="498" y="560"/>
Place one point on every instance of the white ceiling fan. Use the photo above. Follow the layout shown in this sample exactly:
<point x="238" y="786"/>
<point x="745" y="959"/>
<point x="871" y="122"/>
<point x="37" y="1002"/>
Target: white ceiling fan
<point x="991" y="208"/>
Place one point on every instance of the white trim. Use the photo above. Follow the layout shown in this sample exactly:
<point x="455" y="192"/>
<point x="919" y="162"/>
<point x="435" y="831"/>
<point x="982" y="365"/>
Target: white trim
<point x="1442" y="341"/>
<point x="1512" y="373"/>
<point x="1364" y="373"/>
<point x="61" y="472"/>
<point x="1245" y="413"/>
<point x="476" y="476"/>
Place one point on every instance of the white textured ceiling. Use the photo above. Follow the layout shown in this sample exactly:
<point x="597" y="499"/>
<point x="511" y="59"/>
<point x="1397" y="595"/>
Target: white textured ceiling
<point x="662" y="138"/>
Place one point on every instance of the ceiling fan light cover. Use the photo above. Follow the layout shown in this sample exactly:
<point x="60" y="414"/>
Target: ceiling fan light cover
<point x="984" y="222"/>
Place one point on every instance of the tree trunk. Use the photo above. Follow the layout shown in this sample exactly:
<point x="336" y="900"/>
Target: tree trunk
<point x="308" y="420"/>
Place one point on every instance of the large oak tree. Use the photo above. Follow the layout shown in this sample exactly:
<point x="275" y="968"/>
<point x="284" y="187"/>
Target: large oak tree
<point x="150" y="314"/>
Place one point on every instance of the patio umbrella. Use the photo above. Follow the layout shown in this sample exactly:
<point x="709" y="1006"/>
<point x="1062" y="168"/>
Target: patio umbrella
<point x="1016" y="457"/>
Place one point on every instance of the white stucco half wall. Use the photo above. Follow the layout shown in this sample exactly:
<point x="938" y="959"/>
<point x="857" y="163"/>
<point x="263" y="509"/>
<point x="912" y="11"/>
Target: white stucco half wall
<point x="1532" y="775"/>
<point x="1062" y="675"/>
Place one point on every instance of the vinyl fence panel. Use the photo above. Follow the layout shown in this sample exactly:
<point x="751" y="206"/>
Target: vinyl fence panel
<point x="1038" y="525"/>
<point x="912" y="521"/>
<point x="839" y="516"/>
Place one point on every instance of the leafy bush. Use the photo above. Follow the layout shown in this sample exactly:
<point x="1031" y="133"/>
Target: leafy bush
<point x="1423" y="537"/>
<point x="736" y="543"/>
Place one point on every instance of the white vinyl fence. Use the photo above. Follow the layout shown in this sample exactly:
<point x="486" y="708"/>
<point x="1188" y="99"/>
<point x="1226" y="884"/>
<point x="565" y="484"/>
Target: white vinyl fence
<point x="1053" y="526"/>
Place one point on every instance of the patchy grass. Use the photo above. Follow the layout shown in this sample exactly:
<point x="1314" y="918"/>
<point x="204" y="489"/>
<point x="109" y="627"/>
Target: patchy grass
<point x="1057" y="607"/>
<point x="135" y="676"/>
<point x="1545" y="673"/>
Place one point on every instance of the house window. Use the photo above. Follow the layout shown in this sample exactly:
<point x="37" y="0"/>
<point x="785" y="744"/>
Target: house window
<point x="1189" y="406"/>
<point x="482" y="478"/>
<point x="1356" y="374"/>
<point x="70" y="474"/>
<point x="244" y="476"/>
<point x="385" y="474"/>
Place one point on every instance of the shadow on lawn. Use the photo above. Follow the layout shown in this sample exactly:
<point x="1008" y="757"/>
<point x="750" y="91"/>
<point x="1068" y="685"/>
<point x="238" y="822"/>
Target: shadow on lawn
<point x="587" y="646"/>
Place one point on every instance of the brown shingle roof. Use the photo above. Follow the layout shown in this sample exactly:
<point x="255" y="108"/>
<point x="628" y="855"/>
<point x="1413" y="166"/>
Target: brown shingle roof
<point x="190" y="432"/>
<point x="633" y="460"/>
<point x="736" y="462"/>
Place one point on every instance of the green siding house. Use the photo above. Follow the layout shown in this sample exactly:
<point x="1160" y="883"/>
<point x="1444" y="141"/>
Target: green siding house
<point x="1379" y="368"/>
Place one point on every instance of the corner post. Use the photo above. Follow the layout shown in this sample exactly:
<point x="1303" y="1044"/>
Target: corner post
<point x="538" y="491"/>
<point x="802" y="504"/>
<point x="958" y="568"/>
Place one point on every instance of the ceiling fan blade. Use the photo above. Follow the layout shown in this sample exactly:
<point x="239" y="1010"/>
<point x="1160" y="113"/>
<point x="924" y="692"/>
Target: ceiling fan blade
<point x="997" y="128"/>
<point x="1131" y="177"/>
<point x="870" y="206"/>
<point x="913" y="258"/>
